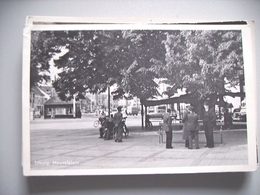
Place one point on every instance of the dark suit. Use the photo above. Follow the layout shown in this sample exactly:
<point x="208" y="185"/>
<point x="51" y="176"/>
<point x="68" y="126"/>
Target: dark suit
<point x="167" y="120"/>
<point x="118" y="126"/>
<point x="191" y="128"/>
<point x="209" y="123"/>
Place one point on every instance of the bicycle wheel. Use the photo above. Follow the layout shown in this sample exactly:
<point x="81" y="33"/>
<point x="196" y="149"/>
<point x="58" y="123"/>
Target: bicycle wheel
<point x="126" y="131"/>
<point x="150" y="125"/>
<point x="95" y="124"/>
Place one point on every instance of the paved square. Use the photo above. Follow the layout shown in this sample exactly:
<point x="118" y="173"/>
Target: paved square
<point x="80" y="148"/>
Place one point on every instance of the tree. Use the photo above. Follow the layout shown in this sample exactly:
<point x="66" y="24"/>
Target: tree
<point x="91" y="63"/>
<point x="204" y="62"/>
<point x="176" y="66"/>
<point x="146" y="54"/>
<point x="40" y="56"/>
<point x="44" y="46"/>
<point x="82" y="66"/>
<point x="97" y="59"/>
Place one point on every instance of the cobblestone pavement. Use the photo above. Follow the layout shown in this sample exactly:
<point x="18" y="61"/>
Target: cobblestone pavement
<point x="82" y="149"/>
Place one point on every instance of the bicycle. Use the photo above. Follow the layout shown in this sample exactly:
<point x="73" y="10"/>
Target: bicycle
<point x="148" y="123"/>
<point x="96" y="123"/>
<point x="125" y="129"/>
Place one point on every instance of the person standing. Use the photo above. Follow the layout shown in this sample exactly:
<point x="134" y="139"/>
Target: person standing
<point x="227" y="119"/>
<point x="118" y="117"/>
<point x="167" y="127"/>
<point x="111" y="126"/>
<point x="102" y="119"/>
<point x="191" y="124"/>
<point x="209" y="123"/>
<point x="52" y="113"/>
<point x="185" y="135"/>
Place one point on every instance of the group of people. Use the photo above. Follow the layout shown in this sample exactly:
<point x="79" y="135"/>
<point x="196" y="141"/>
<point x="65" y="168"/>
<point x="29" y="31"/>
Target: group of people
<point x="191" y="127"/>
<point x="112" y="127"/>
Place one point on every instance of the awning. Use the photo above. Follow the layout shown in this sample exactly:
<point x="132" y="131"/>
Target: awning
<point x="187" y="98"/>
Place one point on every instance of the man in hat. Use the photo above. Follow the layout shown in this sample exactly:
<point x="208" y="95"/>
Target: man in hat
<point x="209" y="123"/>
<point x="191" y="128"/>
<point x="118" y="117"/>
<point x="167" y="125"/>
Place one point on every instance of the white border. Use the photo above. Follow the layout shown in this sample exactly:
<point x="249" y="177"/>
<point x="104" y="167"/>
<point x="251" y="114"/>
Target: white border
<point x="250" y="85"/>
<point x="50" y="23"/>
<point x="137" y="26"/>
<point x="26" y="157"/>
<point x="30" y="20"/>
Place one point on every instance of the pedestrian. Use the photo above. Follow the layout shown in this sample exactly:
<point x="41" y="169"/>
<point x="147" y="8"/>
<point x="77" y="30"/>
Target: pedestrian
<point x="102" y="119"/>
<point x="191" y="130"/>
<point x="108" y="128"/>
<point x="118" y="117"/>
<point x="111" y="126"/>
<point x="167" y="127"/>
<point x="185" y="135"/>
<point x="209" y="123"/>
<point x="228" y="121"/>
<point x="52" y="113"/>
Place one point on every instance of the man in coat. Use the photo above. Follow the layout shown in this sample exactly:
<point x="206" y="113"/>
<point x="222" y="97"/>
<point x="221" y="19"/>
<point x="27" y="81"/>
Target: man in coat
<point x="185" y="135"/>
<point x="191" y="127"/>
<point x="118" y="117"/>
<point x="167" y="122"/>
<point x="102" y="118"/>
<point x="209" y="123"/>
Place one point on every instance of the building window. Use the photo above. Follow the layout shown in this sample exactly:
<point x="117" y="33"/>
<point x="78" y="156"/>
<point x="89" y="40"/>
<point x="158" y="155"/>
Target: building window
<point x="60" y="111"/>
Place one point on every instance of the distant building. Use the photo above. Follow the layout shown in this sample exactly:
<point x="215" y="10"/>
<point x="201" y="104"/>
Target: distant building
<point x="85" y="105"/>
<point x="56" y="108"/>
<point x="97" y="101"/>
<point x="37" y="99"/>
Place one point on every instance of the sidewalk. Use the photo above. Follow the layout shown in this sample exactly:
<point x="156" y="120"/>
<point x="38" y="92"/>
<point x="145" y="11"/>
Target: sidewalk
<point x="81" y="149"/>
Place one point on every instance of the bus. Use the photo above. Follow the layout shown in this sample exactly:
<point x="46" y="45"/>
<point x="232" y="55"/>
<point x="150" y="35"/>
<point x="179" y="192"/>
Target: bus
<point x="132" y="110"/>
<point x="157" y="111"/>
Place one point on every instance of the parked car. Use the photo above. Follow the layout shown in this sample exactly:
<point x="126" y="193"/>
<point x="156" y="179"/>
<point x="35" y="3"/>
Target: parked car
<point x="243" y="111"/>
<point x="239" y="115"/>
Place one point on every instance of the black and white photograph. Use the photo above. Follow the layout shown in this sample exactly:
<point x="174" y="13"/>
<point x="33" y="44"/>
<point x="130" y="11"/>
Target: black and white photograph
<point x="159" y="98"/>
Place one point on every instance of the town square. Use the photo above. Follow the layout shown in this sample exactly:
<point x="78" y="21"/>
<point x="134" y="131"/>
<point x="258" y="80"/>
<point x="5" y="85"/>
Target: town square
<point x="131" y="98"/>
<point x="74" y="144"/>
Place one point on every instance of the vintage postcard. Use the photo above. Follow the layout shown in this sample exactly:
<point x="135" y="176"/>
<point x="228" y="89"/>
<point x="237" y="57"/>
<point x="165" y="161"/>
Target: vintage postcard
<point x="111" y="97"/>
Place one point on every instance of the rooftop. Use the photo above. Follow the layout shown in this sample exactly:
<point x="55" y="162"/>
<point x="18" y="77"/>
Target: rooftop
<point x="55" y="100"/>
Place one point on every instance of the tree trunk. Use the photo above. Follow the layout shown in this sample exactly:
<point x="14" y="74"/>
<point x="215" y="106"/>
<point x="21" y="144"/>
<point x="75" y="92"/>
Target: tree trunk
<point x="145" y="113"/>
<point x="179" y="110"/>
<point x="142" y="114"/>
<point x="108" y="103"/>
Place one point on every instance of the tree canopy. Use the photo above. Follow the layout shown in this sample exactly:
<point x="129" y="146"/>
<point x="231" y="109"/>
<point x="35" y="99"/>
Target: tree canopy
<point x="41" y="46"/>
<point x="97" y="59"/>
<point x="204" y="62"/>
<point x="200" y="61"/>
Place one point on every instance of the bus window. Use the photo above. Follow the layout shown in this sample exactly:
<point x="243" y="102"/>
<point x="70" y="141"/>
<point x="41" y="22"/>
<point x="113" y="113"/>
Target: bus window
<point x="161" y="109"/>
